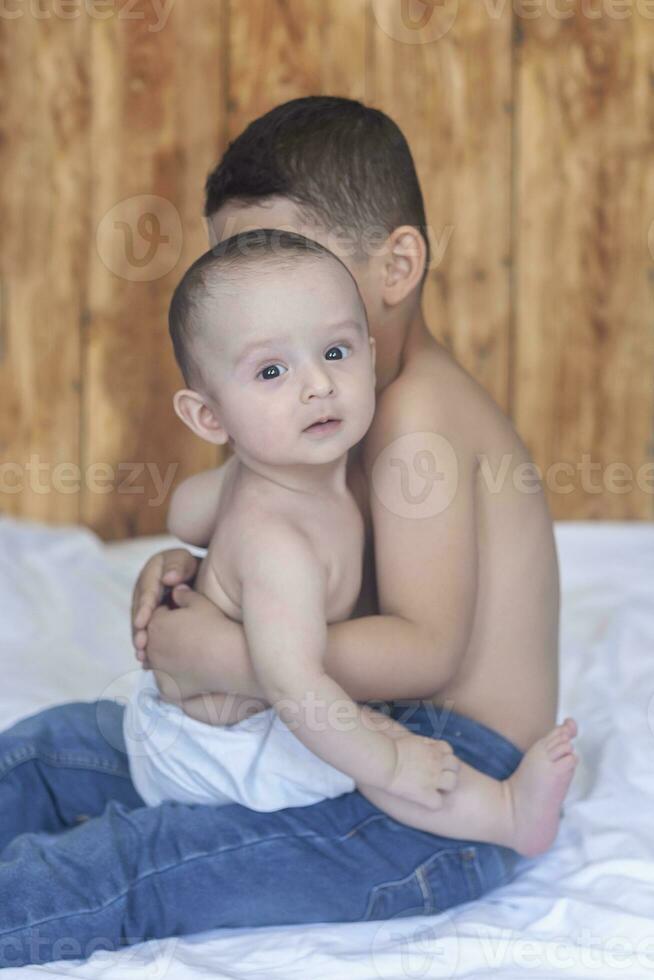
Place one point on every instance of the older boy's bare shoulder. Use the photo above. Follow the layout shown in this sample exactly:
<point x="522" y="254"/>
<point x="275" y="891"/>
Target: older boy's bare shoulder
<point x="434" y="391"/>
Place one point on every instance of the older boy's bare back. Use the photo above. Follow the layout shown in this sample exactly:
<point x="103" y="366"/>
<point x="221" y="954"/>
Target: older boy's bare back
<point x="505" y="661"/>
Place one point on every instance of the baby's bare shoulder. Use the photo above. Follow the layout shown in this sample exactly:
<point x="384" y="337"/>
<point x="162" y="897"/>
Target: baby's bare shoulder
<point x="255" y="513"/>
<point x="271" y="543"/>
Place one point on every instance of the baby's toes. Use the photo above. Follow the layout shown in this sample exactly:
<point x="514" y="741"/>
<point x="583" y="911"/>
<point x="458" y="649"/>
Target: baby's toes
<point x="559" y="750"/>
<point x="556" y="738"/>
<point x="558" y="734"/>
<point x="567" y="728"/>
<point x="571" y="726"/>
<point x="566" y="763"/>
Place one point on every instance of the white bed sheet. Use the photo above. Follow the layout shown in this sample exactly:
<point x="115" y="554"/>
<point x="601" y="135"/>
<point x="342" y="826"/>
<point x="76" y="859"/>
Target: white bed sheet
<point x="586" y="908"/>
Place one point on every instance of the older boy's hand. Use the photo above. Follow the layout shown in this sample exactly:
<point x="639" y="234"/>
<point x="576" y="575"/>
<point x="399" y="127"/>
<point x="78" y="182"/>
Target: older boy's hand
<point x="177" y="642"/>
<point x="166" y="568"/>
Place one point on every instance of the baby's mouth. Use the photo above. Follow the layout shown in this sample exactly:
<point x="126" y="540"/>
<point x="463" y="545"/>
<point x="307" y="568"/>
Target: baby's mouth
<point x="329" y="423"/>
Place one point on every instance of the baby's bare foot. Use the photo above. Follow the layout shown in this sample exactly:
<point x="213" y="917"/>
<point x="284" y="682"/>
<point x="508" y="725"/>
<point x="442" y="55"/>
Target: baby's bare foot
<point x="537" y="789"/>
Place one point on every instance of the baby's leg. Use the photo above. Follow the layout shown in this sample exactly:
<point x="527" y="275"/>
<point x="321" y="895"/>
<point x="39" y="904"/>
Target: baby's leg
<point x="521" y="812"/>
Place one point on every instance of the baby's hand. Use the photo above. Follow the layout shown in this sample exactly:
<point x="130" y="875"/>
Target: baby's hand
<point x="425" y="767"/>
<point x="166" y="568"/>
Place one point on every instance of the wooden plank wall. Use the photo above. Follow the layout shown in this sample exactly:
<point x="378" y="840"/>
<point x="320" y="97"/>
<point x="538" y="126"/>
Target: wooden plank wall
<point x="532" y="127"/>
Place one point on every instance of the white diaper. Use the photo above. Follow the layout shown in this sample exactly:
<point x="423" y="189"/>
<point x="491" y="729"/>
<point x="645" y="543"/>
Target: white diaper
<point x="257" y="762"/>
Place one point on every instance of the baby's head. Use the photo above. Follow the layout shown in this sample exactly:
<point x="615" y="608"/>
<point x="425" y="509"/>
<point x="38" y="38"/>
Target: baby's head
<point x="271" y="335"/>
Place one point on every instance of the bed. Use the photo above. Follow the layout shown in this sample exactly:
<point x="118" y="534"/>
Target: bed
<point x="586" y="908"/>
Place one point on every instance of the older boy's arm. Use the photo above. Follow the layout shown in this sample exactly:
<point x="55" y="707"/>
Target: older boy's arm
<point x="197" y="649"/>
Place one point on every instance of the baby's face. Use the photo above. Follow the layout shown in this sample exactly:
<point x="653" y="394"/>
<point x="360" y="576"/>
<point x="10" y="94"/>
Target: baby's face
<point x="292" y="347"/>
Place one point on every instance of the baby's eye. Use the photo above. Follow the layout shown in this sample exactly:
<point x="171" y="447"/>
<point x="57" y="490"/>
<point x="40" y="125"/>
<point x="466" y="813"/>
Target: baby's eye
<point x="335" y="347"/>
<point x="270" y="367"/>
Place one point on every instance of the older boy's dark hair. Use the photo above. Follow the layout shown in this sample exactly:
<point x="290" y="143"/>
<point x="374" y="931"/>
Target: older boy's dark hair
<point x="343" y="163"/>
<point x="234" y="260"/>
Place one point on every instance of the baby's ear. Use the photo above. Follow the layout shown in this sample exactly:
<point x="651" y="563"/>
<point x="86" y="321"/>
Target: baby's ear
<point x="194" y="412"/>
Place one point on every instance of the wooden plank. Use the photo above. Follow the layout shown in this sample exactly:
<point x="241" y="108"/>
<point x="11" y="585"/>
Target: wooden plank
<point x="443" y="73"/>
<point x="44" y="158"/>
<point x="134" y="108"/>
<point x="156" y="128"/>
<point x="285" y="49"/>
<point x="584" y="346"/>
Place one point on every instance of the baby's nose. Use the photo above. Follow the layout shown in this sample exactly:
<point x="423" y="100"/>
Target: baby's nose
<point x="317" y="382"/>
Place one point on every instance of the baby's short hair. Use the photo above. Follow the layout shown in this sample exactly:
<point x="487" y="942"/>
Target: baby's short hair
<point x="232" y="262"/>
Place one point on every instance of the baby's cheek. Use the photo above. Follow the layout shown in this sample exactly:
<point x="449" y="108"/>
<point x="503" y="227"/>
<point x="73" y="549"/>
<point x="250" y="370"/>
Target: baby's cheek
<point x="366" y="413"/>
<point x="269" y="437"/>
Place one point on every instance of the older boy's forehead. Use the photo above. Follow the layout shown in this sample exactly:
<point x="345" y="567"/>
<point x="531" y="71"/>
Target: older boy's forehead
<point x="277" y="212"/>
<point x="274" y="212"/>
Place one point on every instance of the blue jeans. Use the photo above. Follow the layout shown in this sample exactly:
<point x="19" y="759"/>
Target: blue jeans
<point x="86" y="865"/>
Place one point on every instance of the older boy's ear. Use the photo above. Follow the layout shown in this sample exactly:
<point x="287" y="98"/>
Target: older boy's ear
<point x="373" y="351"/>
<point x="404" y="263"/>
<point x="194" y="412"/>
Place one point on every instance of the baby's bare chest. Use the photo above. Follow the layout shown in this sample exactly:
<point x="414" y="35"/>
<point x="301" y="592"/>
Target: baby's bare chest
<point x="336" y="531"/>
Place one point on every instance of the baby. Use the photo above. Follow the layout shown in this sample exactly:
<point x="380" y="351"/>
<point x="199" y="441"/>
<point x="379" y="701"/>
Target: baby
<point x="271" y="335"/>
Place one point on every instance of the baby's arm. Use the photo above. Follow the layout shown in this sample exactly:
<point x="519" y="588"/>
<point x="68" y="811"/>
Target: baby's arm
<point x="283" y="601"/>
